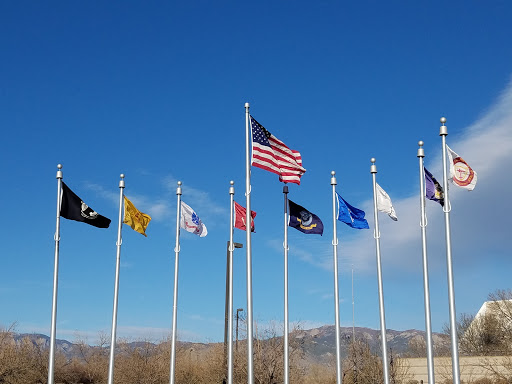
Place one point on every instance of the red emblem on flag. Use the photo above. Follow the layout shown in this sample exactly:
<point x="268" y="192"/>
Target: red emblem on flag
<point x="463" y="172"/>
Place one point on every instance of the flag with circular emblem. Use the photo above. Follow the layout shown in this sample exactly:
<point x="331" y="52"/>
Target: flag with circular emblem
<point x="134" y="218"/>
<point x="73" y="208"/>
<point x="303" y="220"/>
<point x="461" y="174"/>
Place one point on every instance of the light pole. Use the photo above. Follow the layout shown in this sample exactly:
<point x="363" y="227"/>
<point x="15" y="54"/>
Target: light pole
<point x="226" y="313"/>
<point x="237" y="311"/>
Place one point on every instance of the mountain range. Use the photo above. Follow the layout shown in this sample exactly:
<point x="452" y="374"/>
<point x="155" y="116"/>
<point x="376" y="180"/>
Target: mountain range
<point x="317" y="344"/>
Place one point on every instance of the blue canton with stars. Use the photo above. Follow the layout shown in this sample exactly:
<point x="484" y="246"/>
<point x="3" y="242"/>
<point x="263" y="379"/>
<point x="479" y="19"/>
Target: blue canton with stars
<point x="259" y="134"/>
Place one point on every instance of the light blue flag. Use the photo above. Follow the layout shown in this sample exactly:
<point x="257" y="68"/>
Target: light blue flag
<point x="350" y="215"/>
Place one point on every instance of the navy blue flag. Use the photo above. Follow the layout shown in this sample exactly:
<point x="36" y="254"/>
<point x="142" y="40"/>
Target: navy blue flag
<point x="303" y="220"/>
<point x="350" y="215"/>
<point x="433" y="190"/>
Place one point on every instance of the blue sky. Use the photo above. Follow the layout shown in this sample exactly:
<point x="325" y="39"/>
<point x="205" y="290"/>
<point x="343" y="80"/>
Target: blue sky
<point x="157" y="90"/>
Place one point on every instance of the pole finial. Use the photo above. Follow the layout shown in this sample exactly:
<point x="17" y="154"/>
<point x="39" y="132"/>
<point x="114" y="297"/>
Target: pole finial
<point x="121" y="182"/>
<point x="59" y="171"/>
<point x="122" y="175"/>
<point x="373" y="167"/>
<point x="232" y="182"/>
<point x="421" y="151"/>
<point x="246" y="105"/>
<point x="178" y="190"/>
<point x="443" y="131"/>
<point x="179" y="183"/>
<point x="333" y="178"/>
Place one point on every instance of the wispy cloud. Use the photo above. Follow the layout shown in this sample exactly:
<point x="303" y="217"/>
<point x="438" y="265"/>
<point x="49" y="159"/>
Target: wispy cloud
<point x="101" y="191"/>
<point x="199" y="199"/>
<point x="161" y="207"/>
<point x="487" y="146"/>
<point x="158" y="208"/>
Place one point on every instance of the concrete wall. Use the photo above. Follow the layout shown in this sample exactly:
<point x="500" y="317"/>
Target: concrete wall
<point x="471" y="368"/>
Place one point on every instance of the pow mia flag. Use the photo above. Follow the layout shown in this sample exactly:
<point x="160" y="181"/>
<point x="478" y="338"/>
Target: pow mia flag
<point x="73" y="208"/>
<point x="303" y="220"/>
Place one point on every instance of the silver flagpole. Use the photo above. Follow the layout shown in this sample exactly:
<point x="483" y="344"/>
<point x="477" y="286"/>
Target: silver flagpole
<point x="373" y="171"/>
<point x="286" y="320"/>
<point x="230" y="272"/>
<point x="353" y="309"/>
<point x="116" y="286"/>
<point x="175" y="298"/>
<point x="336" y="288"/>
<point x="423" y="225"/>
<point x="51" y="359"/>
<point x="250" y="372"/>
<point x="443" y="132"/>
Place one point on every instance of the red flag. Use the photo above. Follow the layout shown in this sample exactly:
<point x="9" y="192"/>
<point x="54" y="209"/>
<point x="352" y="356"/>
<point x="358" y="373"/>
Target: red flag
<point x="240" y="215"/>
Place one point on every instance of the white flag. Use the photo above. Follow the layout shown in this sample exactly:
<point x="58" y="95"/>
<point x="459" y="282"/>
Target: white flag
<point x="384" y="203"/>
<point x="461" y="174"/>
<point x="191" y="222"/>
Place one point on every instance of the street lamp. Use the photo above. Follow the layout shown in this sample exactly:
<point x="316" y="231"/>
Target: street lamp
<point x="226" y="313"/>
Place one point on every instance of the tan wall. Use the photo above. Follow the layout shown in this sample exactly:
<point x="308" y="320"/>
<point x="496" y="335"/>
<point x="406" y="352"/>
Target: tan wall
<point x="471" y="368"/>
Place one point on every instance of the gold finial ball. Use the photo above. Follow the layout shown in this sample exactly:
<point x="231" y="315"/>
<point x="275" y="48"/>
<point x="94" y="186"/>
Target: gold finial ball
<point x="122" y="175"/>
<point x="442" y="120"/>
<point x="372" y="160"/>
<point x="420" y="143"/>
<point x="179" y="183"/>
<point x="232" y="182"/>
<point x="59" y="166"/>
<point x="333" y="173"/>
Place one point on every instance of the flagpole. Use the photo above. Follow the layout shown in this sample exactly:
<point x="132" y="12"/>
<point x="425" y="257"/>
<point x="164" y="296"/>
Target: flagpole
<point x="443" y="132"/>
<point x="353" y="309"/>
<point x="376" y="235"/>
<point x="230" y="272"/>
<point x="116" y="286"/>
<point x="286" y="319"/>
<point x="51" y="359"/>
<point x="175" y="297"/>
<point x="336" y="288"/>
<point x="423" y="225"/>
<point x="250" y="373"/>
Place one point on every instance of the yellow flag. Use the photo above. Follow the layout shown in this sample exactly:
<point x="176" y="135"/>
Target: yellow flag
<point x="134" y="218"/>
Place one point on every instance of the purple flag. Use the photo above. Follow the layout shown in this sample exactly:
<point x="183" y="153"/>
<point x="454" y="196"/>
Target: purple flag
<point x="434" y="191"/>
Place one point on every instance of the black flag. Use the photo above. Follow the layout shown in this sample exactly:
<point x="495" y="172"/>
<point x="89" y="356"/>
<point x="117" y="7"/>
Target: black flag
<point x="73" y="208"/>
<point x="303" y="220"/>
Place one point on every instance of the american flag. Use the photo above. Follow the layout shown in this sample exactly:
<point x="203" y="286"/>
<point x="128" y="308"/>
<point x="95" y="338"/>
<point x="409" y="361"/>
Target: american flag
<point x="271" y="154"/>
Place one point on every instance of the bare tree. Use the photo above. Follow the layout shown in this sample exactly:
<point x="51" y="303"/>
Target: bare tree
<point x="489" y="333"/>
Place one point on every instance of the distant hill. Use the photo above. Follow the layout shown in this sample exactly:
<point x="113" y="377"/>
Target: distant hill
<point x="318" y="344"/>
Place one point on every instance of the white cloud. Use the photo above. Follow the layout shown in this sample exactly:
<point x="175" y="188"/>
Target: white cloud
<point x="163" y="207"/>
<point x="200" y="200"/>
<point x="479" y="219"/>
